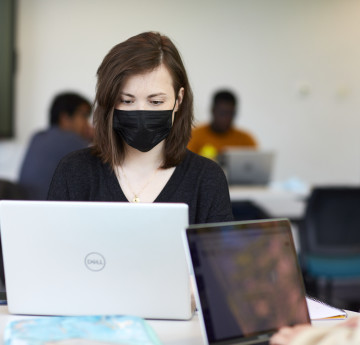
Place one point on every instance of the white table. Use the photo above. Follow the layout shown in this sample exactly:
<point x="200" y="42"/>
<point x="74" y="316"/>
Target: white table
<point x="169" y="332"/>
<point x="189" y="333"/>
<point x="277" y="202"/>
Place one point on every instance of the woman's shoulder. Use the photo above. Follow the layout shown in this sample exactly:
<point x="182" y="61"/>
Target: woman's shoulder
<point x="196" y="160"/>
<point x="198" y="166"/>
<point x="81" y="160"/>
<point x="81" y="156"/>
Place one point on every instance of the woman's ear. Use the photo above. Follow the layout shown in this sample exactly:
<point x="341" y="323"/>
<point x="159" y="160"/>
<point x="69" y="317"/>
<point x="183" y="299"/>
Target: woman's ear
<point x="179" y="98"/>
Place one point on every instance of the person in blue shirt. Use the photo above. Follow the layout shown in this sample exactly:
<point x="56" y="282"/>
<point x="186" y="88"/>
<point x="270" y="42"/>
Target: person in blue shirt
<point x="69" y="131"/>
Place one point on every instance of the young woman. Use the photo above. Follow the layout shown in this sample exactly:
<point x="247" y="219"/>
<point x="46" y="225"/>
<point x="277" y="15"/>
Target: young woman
<point x="143" y="117"/>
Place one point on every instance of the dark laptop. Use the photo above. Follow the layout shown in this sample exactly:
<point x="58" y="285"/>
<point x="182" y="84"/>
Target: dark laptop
<point x="248" y="279"/>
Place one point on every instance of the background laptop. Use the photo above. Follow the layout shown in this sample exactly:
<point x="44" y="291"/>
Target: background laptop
<point x="249" y="167"/>
<point x="248" y="280"/>
<point x="81" y="258"/>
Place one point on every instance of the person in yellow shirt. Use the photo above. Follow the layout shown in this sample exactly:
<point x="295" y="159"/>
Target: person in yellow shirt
<point x="210" y="139"/>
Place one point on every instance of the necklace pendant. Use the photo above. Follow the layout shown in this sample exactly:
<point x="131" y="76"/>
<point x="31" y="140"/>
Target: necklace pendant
<point x="136" y="199"/>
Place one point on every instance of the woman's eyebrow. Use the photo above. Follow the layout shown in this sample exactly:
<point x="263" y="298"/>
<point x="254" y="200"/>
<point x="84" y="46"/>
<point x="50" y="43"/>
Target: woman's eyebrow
<point x="127" y="94"/>
<point x="157" y="94"/>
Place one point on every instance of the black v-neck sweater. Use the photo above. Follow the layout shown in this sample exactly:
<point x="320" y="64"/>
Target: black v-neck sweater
<point x="196" y="181"/>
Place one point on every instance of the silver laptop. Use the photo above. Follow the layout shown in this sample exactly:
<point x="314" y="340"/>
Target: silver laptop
<point x="94" y="258"/>
<point x="248" y="280"/>
<point x="247" y="167"/>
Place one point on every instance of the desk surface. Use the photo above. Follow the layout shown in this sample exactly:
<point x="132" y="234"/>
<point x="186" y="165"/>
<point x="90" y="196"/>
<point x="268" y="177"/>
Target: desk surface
<point x="169" y="332"/>
<point x="275" y="201"/>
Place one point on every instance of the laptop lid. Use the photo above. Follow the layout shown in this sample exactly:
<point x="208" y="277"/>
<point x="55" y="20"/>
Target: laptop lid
<point x="249" y="167"/>
<point x="248" y="280"/>
<point x="91" y="258"/>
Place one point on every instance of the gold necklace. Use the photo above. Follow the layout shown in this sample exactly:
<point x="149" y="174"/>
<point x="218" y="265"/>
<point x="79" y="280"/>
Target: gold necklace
<point x="136" y="197"/>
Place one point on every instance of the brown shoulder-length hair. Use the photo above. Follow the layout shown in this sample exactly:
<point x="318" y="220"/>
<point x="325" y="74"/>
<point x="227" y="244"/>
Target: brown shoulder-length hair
<point x="140" y="54"/>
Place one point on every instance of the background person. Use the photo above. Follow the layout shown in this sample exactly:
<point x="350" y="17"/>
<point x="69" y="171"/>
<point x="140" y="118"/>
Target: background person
<point x="69" y="131"/>
<point x="210" y="139"/>
<point x="142" y="120"/>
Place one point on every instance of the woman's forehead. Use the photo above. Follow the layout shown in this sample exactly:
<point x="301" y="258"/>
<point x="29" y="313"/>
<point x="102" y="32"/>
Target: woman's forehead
<point x="158" y="80"/>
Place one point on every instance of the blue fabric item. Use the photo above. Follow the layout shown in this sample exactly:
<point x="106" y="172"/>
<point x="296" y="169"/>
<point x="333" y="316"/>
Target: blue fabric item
<point x="125" y="330"/>
<point x="42" y="157"/>
<point x="330" y="267"/>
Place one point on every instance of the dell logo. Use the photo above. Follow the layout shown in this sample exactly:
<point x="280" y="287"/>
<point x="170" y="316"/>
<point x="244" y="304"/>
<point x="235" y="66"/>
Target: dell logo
<point x="94" y="262"/>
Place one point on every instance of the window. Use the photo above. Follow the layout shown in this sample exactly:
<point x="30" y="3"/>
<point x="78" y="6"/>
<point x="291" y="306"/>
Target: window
<point x="7" y="67"/>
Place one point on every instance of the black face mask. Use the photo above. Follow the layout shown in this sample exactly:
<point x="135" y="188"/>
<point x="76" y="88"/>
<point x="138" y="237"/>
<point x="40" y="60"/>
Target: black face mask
<point x="143" y="129"/>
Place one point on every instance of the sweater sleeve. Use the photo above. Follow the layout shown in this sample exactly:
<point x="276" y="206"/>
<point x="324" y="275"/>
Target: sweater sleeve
<point x="215" y="192"/>
<point x="72" y="177"/>
<point x="58" y="189"/>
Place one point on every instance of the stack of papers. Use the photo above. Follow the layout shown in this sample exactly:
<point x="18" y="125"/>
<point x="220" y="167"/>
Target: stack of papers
<point x="321" y="311"/>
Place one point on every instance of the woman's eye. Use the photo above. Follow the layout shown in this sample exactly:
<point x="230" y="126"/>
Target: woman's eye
<point x="126" y="101"/>
<point x="157" y="102"/>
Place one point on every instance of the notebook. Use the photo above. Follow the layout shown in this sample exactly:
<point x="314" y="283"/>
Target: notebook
<point x="247" y="167"/>
<point x="248" y="280"/>
<point x="95" y="258"/>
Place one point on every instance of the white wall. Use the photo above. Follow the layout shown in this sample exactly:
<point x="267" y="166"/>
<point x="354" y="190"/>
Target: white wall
<point x="295" y="64"/>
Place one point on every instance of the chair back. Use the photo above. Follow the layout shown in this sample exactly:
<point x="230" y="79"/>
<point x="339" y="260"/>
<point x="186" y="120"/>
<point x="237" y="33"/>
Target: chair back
<point x="248" y="210"/>
<point x="11" y="191"/>
<point x="8" y="191"/>
<point x="332" y="222"/>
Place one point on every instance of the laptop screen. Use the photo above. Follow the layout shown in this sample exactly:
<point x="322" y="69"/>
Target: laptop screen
<point x="248" y="279"/>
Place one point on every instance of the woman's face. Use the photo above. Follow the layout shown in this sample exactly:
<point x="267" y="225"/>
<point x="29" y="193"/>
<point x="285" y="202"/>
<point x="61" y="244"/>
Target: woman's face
<point x="150" y="91"/>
